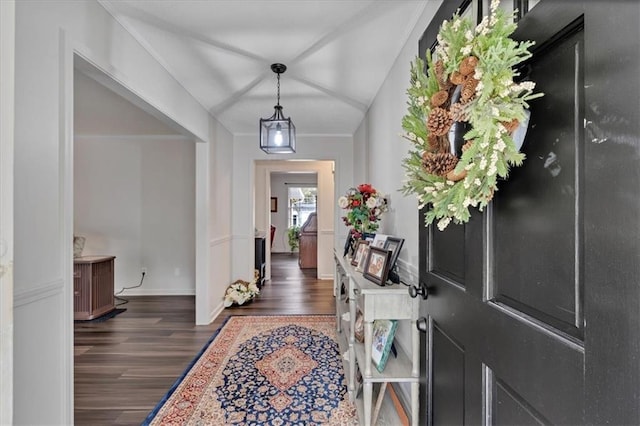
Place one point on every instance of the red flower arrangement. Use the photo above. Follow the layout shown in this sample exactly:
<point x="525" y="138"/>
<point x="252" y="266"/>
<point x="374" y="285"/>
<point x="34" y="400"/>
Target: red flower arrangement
<point x="365" y="205"/>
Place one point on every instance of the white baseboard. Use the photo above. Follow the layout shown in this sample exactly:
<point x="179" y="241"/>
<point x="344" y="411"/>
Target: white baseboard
<point x="216" y="312"/>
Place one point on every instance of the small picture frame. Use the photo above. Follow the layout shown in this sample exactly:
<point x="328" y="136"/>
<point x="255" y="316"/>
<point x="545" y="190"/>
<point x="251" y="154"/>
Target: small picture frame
<point x="376" y="267"/>
<point x="358" y="327"/>
<point x="379" y="240"/>
<point x="394" y="245"/>
<point x="383" y="333"/>
<point x="368" y="236"/>
<point x="349" y="245"/>
<point x="274" y="204"/>
<point x="363" y="259"/>
<point x="359" y="251"/>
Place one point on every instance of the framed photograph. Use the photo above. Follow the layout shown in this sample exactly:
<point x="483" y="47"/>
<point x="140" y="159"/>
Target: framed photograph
<point x="358" y="327"/>
<point x="349" y="245"/>
<point x="363" y="258"/>
<point x="376" y="267"/>
<point x="383" y="334"/>
<point x="368" y="236"/>
<point x="393" y="244"/>
<point x="274" y="204"/>
<point x="359" y="251"/>
<point x="379" y="240"/>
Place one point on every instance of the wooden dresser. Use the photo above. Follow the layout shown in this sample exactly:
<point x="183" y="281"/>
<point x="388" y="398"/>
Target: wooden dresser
<point x="309" y="243"/>
<point x="92" y="286"/>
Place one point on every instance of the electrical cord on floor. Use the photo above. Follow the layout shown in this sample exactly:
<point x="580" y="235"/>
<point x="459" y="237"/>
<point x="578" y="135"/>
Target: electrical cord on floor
<point x="122" y="299"/>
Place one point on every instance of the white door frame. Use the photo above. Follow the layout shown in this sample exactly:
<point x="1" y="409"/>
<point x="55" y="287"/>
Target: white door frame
<point x="326" y="221"/>
<point x="7" y="65"/>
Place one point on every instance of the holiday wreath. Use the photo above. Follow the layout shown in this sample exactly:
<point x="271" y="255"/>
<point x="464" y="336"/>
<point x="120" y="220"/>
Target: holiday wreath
<point x="470" y="82"/>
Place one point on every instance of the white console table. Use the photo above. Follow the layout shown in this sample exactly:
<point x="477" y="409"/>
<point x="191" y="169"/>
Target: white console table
<point x="375" y="302"/>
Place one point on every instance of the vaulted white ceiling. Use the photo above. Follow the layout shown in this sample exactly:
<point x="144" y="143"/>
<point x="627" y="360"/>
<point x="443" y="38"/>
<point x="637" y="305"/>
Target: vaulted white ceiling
<point x="337" y="53"/>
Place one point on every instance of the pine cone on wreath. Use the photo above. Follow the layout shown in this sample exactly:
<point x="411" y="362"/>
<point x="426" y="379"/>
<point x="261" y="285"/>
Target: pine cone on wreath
<point x="457" y="78"/>
<point x="443" y="82"/>
<point x="438" y="143"/>
<point x="458" y="112"/>
<point x="466" y="146"/>
<point x="439" y="164"/>
<point x="439" y="121"/>
<point x="468" y="65"/>
<point x="434" y="143"/>
<point x="511" y="126"/>
<point x="439" y="98"/>
<point x="469" y="89"/>
<point x="439" y="68"/>
<point x="455" y="177"/>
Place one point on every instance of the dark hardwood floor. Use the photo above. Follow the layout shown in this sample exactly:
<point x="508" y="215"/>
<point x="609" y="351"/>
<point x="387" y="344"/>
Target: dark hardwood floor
<point x="125" y="365"/>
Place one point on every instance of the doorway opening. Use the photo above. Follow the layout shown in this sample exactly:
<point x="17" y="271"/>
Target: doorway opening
<point x="298" y="188"/>
<point x="133" y="198"/>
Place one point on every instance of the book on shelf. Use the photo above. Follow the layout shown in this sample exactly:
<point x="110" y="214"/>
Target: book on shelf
<point x="383" y="333"/>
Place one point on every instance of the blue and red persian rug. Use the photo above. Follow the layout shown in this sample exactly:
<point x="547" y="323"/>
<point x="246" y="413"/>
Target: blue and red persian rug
<point x="263" y="370"/>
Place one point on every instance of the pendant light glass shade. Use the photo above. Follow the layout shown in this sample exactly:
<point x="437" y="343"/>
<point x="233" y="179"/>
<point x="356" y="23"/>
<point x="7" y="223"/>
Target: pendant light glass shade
<point x="277" y="133"/>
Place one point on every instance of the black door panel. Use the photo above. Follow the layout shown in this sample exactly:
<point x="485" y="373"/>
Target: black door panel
<point x="537" y="226"/>
<point x="448" y="377"/>
<point x="448" y="254"/>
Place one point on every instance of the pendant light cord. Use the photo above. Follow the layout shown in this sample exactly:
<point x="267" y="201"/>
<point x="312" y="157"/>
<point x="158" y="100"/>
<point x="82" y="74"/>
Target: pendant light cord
<point x="278" y="89"/>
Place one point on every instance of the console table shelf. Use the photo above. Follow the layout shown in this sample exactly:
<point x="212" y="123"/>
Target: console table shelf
<point x="355" y="293"/>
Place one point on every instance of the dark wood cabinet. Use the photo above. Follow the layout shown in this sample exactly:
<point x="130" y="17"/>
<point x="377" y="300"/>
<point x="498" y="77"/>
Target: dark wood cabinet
<point x="260" y="258"/>
<point x="308" y="256"/>
<point x="92" y="286"/>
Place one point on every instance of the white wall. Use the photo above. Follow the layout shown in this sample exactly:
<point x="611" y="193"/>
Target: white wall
<point x="134" y="198"/>
<point x="245" y="152"/>
<point x="386" y="149"/>
<point x="280" y="219"/>
<point x="361" y="147"/>
<point x="47" y="32"/>
<point x="218" y="223"/>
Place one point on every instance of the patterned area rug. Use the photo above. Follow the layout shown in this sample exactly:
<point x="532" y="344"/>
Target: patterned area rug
<point x="263" y="370"/>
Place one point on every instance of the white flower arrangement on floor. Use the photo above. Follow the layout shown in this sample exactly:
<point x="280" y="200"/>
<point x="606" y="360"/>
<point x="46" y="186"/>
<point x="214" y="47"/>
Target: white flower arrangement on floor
<point x="241" y="292"/>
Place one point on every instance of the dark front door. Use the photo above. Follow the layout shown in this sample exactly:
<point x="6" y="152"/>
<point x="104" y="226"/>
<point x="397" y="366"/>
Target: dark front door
<point x="534" y="305"/>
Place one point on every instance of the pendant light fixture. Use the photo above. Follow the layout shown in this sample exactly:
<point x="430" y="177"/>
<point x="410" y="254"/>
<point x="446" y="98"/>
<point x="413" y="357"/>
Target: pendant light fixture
<point x="277" y="133"/>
